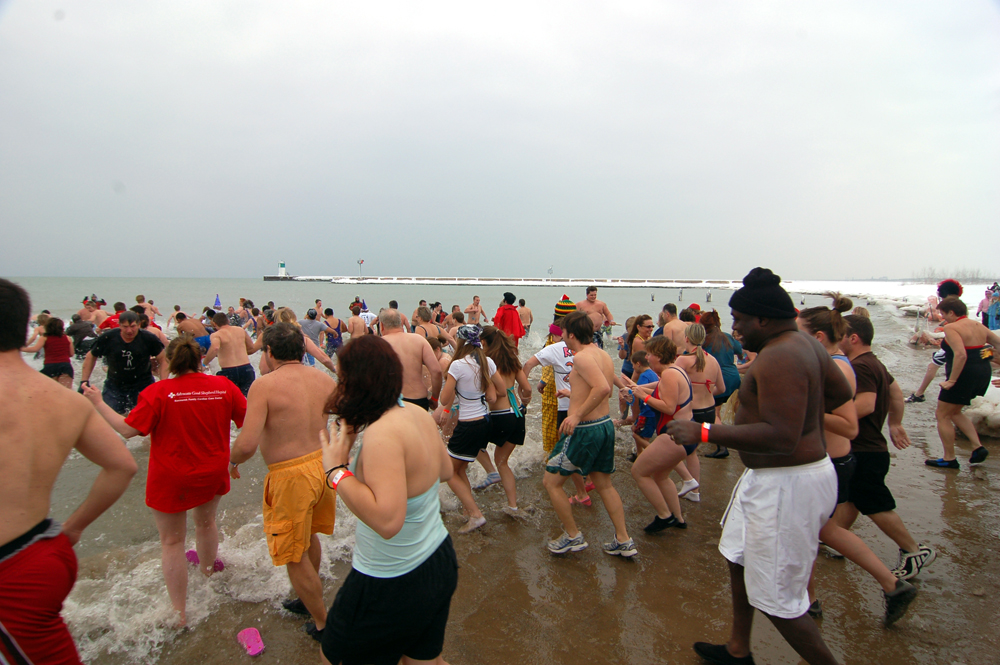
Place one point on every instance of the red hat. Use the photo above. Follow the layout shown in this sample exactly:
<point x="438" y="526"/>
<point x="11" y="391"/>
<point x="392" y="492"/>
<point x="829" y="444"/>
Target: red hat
<point x="695" y="306"/>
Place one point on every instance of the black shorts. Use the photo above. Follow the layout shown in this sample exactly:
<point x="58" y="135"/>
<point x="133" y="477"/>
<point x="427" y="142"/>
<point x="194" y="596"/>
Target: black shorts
<point x="560" y="416"/>
<point x="724" y="397"/>
<point x="706" y="415"/>
<point x="845" y="467"/>
<point x="469" y="437"/>
<point x="123" y="399"/>
<point x="506" y="427"/>
<point x="972" y="382"/>
<point x="241" y="376"/>
<point x="423" y="402"/>
<point x="381" y="619"/>
<point x="690" y="448"/>
<point x="55" y="370"/>
<point x="868" y="491"/>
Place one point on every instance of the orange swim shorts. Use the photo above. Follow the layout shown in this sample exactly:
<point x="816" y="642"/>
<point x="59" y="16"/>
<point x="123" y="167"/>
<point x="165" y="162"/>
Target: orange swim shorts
<point x="297" y="504"/>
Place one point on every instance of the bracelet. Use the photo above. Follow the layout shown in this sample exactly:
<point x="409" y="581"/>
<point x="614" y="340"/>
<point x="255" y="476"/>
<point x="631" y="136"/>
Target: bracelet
<point x="645" y="400"/>
<point x="337" y="477"/>
<point x="446" y="410"/>
<point x="83" y="381"/>
<point x="705" y="429"/>
<point x="339" y="466"/>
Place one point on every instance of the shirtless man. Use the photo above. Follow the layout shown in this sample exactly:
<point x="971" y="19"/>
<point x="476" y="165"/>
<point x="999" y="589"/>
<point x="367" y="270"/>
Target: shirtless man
<point x="173" y="315"/>
<point x="192" y="326"/>
<point x="88" y="311"/>
<point x="474" y="311"/>
<point x="525" y="314"/>
<point x="286" y="411"/>
<point x="598" y="312"/>
<point x="587" y="443"/>
<point x="789" y="479"/>
<point x="414" y="353"/>
<point x="356" y="326"/>
<point x="233" y="346"/>
<point x="43" y="423"/>
<point x="673" y="327"/>
<point x="406" y="323"/>
<point x="450" y="321"/>
<point x="427" y="329"/>
<point x="146" y="308"/>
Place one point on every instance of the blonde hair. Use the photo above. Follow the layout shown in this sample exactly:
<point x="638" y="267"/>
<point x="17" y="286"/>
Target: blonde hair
<point x="695" y="333"/>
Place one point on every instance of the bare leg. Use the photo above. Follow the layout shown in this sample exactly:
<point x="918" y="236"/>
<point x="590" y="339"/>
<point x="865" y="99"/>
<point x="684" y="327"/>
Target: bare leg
<point x="966" y="427"/>
<point x="501" y="455"/>
<point x="612" y="503"/>
<point x="739" y="636"/>
<point x="682" y="471"/>
<point x="846" y="515"/>
<point x="65" y="380"/>
<point x="173" y="530"/>
<point x="459" y="484"/>
<point x="305" y="580"/>
<point x="660" y="457"/>
<point x="484" y="458"/>
<point x="928" y="377"/>
<point x="581" y="487"/>
<point x="892" y="525"/>
<point x="946" y="430"/>
<point x="669" y="492"/>
<point x="206" y="535"/>
<point x="553" y="483"/>
<point x="803" y="635"/>
<point x="853" y="548"/>
<point x="693" y="465"/>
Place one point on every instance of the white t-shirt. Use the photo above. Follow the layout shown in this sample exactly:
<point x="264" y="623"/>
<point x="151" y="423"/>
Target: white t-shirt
<point x="467" y="388"/>
<point x="368" y="317"/>
<point x="560" y="359"/>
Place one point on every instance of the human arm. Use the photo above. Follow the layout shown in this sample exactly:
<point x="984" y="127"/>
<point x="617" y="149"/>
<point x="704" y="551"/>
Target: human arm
<point x="87" y="369"/>
<point x="443" y="412"/>
<point x="319" y="354"/>
<point x="248" y="341"/>
<point x="433" y="368"/>
<point x="213" y="349"/>
<point x="113" y="418"/>
<point x="958" y="363"/>
<point x="598" y="389"/>
<point x="37" y="346"/>
<point x="842" y="421"/>
<point x="523" y="387"/>
<point x="164" y="366"/>
<point x="607" y="315"/>
<point x="494" y="388"/>
<point x="530" y="364"/>
<point x="719" y="382"/>
<point x="99" y="444"/>
<point x="253" y="429"/>
<point x="897" y="404"/>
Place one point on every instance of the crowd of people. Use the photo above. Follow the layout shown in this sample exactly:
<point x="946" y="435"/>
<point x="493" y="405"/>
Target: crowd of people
<point x="798" y="394"/>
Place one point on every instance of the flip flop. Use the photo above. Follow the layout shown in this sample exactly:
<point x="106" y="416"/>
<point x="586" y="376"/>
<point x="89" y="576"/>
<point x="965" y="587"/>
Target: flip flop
<point x="192" y="558"/>
<point x="250" y="639"/>
<point x="584" y="502"/>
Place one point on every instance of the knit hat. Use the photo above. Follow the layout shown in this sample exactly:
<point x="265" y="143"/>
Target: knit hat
<point x="763" y="296"/>
<point x="565" y="306"/>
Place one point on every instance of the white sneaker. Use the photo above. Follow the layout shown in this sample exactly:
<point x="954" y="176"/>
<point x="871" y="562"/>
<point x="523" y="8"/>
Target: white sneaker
<point x="688" y="486"/>
<point x="693" y="496"/>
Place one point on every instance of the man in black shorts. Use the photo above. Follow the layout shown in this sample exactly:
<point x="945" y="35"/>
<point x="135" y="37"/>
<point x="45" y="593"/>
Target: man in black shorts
<point x="128" y="350"/>
<point x="878" y="396"/>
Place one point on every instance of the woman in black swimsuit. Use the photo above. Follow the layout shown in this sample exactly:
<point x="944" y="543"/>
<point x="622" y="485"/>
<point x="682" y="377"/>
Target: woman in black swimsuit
<point x="671" y="396"/>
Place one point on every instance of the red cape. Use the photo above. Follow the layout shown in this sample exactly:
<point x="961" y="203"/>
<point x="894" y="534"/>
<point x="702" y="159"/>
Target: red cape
<point x="508" y="320"/>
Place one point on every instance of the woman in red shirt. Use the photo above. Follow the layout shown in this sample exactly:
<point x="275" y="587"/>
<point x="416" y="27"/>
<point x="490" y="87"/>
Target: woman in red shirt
<point x="187" y="419"/>
<point x="58" y="350"/>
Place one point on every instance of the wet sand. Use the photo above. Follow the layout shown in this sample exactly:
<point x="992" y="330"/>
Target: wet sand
<point x="516" y="603"/>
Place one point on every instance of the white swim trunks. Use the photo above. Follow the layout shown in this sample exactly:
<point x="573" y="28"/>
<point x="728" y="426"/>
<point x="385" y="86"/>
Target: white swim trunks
<point x="771" y="528"/>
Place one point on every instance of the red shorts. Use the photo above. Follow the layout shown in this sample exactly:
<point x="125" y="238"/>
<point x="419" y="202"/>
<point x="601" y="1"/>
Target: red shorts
<point x="33" y="585"/>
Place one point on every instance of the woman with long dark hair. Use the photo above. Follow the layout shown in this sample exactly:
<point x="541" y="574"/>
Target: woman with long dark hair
<point x="726" y="350"/>
<point x="58" y="350"/>
<point x="394" y="603"/>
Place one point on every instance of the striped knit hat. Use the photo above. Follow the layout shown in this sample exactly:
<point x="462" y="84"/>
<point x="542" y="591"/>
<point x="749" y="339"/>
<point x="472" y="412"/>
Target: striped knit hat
<point x="565" y="306"/>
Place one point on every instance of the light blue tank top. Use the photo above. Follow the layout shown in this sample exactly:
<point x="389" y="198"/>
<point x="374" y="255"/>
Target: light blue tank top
<point x="421" y="535"/>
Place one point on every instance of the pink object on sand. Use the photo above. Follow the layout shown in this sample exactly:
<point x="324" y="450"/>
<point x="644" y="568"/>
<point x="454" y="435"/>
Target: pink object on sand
<point x="192" y="558"/>
<point x="251" y="641"/>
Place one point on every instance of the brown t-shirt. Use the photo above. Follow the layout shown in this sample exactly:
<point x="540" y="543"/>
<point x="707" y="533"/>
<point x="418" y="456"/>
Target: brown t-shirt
<point x="872" y="377"/>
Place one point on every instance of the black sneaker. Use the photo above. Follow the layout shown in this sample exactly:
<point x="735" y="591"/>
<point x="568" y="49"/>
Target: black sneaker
<point x="295" y="606"/>
<point x="815" y="610"/>
<point x="897" y="600"/>
<point x="914" y="398"/>
<point x="942" y="463"/>
<point x="978" y="455"/>
<point x="718" y="654"/>
<point x="658" y="524"/>
<point x="312" y="631"/>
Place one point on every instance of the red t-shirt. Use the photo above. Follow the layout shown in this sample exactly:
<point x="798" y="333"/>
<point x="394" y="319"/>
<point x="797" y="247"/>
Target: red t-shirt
<point x="188" y="419"/>
<point x="110" y="322"/>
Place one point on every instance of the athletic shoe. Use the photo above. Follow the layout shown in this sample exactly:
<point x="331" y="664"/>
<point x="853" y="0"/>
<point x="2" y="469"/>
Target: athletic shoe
<point x="910" y="563"/>
<point x="631" y="457"/>
<point x="564" y="544"/>
<point x="718" y="654"/>
<point x="815" y="610"/>
<point x="693" y="496"/>
<point x="720" y="453"/>
<point x="688" y="486"/>
<point x="941" y="463"/>
<point x="659" y="524"/>
<point x="312" y="631"/>
<point x="491" y="479"/>
<point x="897" y="600"/>
<point x="626" y="549"/>
<point x="295" y="606"/>
<point x="978" y="455"/>
<point x="915" y="398"/>
<point x="830" y="552"/>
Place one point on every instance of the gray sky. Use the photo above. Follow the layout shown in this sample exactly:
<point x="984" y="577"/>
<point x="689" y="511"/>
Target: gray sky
<point x="660" y="139"/>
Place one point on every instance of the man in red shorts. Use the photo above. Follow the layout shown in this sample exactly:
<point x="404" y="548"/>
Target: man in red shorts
<point x="43" y="422"/>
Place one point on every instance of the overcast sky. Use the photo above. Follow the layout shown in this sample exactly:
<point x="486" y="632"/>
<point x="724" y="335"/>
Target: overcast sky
<point x="662" y="139"/>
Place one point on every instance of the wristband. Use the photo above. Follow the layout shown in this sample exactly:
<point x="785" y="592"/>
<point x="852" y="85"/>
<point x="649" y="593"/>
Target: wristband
<point x="446" y="410"/>
<point x="339" y="475"/>
<point x="705" y="429"/>
<point x="645" y="400"/>
<point x="329" y="471"/>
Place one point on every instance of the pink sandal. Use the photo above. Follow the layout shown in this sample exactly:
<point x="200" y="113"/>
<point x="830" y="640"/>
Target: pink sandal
<point x="581" y="502"/>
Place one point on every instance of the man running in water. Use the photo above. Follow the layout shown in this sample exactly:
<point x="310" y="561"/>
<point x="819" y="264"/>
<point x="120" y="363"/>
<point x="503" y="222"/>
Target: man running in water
<point x="130" y="353"/>
<point x="192" y="326"/>
<point x="474" y="311"/>
<point x="525" y="313"/>
<point x="414" y="353"/>
<point x="788" y="492"/>
<point x="598" y="312"/>
<point x="42" y="424"/>
<point x="285" y="414"/>
<point x="233" y="346"/>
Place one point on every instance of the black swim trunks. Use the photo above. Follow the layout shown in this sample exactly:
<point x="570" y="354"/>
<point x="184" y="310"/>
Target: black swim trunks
<point x="868" y="491"/>
<point x="55" y="370"/>
<point x="506" y="427"/>
<point x="242" y="376"/>
<point x="423" y="402"/>
<point x="469" y="437"/>
<point x="845" y="467"/>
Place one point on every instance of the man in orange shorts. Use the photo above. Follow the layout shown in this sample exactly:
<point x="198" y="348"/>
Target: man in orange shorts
<point x="285" y="414"/>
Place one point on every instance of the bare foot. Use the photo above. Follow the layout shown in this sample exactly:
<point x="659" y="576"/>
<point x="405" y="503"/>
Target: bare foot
<point x="473" y="524"/>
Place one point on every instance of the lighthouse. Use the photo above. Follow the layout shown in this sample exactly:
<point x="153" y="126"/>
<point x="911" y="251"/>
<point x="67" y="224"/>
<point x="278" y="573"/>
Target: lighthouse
<point x="281" y="269"/>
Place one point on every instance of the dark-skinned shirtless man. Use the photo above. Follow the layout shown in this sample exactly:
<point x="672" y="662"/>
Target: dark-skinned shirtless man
<point x="788" y="492"/>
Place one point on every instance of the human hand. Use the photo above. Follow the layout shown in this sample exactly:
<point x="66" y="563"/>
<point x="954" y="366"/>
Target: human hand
<point x="948" y="385"/>
<point x="234" y="471"/>
<point x="72" y="534"/>
<point x="569" y="425"/>
<point x="541" y="386"/>
<point x="684" y="432"/>
<point x="440" y="417"/>
<point x="899" y="437"/>
<point x="337" y="449"/>
<point x="563" y="392"/>
<point x="90" y="392"/>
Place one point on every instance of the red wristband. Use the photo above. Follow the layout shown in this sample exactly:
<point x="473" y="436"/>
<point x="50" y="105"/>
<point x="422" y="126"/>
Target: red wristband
<point x="645" y="400"/>
<point x="335" y="479"/>
<point x="705" y="429"/>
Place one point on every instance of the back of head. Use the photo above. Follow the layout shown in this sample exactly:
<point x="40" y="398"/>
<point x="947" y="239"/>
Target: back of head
<point x="184" y="355"/>
<point x="762" y="296"/>
<point x="138" y="309"/>
<point x="220" y="319"/>
<point x="509" y="298"/>
<point x="326" y="312"/>
<point x="639" y="358"/>
<point x="459" y="318"/>
<point x="177" y="308"/>
<point x="695" y="334"/>
<point x="128" y="317"/>
<point x="54" y="327"/>
<point x="826" y="320"/>
<point x="521" y="302"/>
<point x="370" y="381"/>
<point x="860" y="326"/>
<point x="949" y="287"/>
<point x="42" y="319"/>
<point x="581" y="326"/>
<point x="715" y="339"/>
<point x="356" y="309"/>
<point x="75" y="318"/>
<point x="662" y="347"/>
<point x="393" y="304"/>
<point x="120" y="307"/>
<point x="434" y="342"/>
<point x="286" y="315"/>
<point x="140" y="299"/>
<point x="501" y="348"/>
<point x="311" y="314"/>
<point x="256" y="312"/>
<point x="390" y="319"/>
<point x="143" y="321"/>
<point x="954" y="305"/>
<point x="180" y="317"/>
<point x="687" y="316"/>
<point x="862" y="311"/>
<point x="563" y="308"/>
<point x="285" y="342"/>
<point x="468" y="342"/>
<point x="424" y="313"/>
<point x="670" y="308"/>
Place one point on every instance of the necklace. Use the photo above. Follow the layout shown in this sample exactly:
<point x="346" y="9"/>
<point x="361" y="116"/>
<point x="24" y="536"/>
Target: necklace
<point x="289" y="362"/>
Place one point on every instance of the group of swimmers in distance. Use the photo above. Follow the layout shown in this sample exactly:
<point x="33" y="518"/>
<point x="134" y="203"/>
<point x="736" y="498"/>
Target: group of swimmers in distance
<point x="799" y="394"/>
